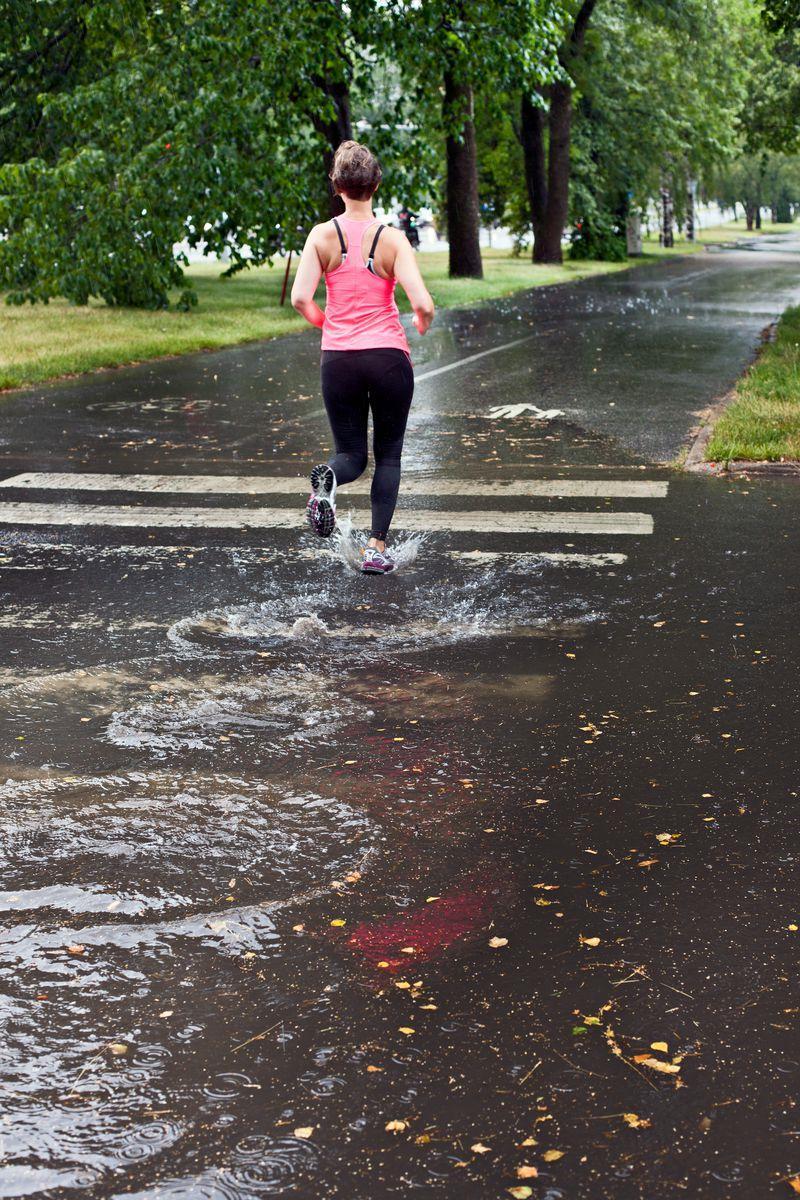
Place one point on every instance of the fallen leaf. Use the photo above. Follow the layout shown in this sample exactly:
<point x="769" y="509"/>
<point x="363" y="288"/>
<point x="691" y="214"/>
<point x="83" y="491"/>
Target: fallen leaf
<point x="338" y="922"/>
<point x="372" y="1069"/>
<point x="117" y="1048"/>
<point x="497" y="942"/>
<point x="304" y="1131"/>
<point x="527" y="1172"/>
<point x="406" y="1029"/>
<point x="75" y="948"/>
<point x="396" y="1126"/>
<point x="635" y="1121"/>
<point x="479" y="1148"/>
<point x="166" y="1013"/>
<point x="590" y="941"/>
<point x="529" y="1141"/>
<point x="298" y="928"/>
<point x="655" y="1064"/>
<point x="647" y="862"/>
<point x="402" y="983"/>
<point x="553" y="1155"/>
<point x="794" y="1183"/>
<point x="662" y="1046"/>
<point x="521" y="1193"/>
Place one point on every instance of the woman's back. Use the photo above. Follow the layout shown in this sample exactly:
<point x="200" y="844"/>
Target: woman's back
<point x="361" y="312"/>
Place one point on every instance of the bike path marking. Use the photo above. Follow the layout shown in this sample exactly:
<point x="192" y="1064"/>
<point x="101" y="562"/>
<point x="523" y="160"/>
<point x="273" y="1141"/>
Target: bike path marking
<point x="277" y="485"/>
<point x="132" y="516"/>
<point x="462" y="362"/>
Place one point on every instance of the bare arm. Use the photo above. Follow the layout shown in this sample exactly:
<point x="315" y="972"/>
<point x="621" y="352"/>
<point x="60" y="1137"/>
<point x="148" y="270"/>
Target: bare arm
<point x="306" y="281"/>
<point x="407" y="274"/>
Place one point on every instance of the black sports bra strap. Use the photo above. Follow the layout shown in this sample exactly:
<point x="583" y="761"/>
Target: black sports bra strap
<point x="378" y="232"/>
<point x="342" y="242"/>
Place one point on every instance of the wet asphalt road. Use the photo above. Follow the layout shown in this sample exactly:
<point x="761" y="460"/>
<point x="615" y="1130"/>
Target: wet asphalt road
<point x="292" y="855"/>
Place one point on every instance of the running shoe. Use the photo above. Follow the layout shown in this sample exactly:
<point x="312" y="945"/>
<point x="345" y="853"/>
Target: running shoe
<point x="321" y="509"/>
<point x="377" y="562"/>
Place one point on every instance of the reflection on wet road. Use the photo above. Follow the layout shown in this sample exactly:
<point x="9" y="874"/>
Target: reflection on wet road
<point x="476" y="877"/>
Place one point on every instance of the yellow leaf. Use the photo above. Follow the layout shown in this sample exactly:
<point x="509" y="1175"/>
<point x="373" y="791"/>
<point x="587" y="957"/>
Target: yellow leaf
<point x="647" y="862"/>
<point x="590" y="941"/>
<point x="521" y="1193"/>
<point x="117" y="1047"/>
<point x="497" y="942"/>
<point x="527" y="1172"/>
<point x="662" y="1046"/>
<point x="655" y="1064"/>
<point x="529" y="1141"/>
<point x="792" y="928"/>
<point x="636" y="1122"/>
<point x="479" y="1148"/>
<point x="794" y="1184"/>
<point x="338" y="923"/>
<point x="396" y="1126"/>
<point x="372" y="1069"/>
<point x="304" y="1131"/>
<point x="402" y="983"/>
<point x="406" y="1029"/>
<point x="591" y="1020"/>
<point x="553" y="1155"/>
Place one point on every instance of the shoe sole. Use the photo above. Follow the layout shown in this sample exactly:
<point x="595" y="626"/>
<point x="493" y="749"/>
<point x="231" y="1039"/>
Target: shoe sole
<point x="321" y="516"/>
<point x="376" y="571"/>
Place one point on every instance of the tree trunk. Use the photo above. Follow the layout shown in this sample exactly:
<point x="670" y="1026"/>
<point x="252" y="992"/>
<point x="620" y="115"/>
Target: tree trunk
<point x="463" y="217"/>
<point x="667" y="217"/>
<point x="691" y="234"/>
<point x="547" y="246"/>
<point x="758" y="216"/>
<point x="749" y="215"/>
<point x="531" y="136"/>
<point x="335" y="131"/>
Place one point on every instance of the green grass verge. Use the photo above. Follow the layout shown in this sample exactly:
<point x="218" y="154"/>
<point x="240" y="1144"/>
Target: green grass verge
<point x="763" y="420"/>
<point x="43" y="342"/>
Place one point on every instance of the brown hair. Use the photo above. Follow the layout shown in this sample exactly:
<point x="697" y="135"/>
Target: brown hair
<point x="355" y="171"/>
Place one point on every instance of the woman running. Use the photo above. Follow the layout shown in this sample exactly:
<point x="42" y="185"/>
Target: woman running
<point x="365" y="361"/>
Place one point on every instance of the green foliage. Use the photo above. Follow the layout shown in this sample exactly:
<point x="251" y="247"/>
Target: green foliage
<point x="598" y="238"/>
<point x="183" y="122"/>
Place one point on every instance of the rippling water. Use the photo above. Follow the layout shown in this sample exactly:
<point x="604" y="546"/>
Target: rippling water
<point x="180" y="833"/>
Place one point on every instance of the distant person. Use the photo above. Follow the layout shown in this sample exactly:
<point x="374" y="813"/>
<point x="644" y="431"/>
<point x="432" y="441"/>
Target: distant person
<point x="408" y="224"/>
<point x="365" y="361"/>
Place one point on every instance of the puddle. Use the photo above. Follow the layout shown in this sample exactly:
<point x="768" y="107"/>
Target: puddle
<point x="144" y="844"/>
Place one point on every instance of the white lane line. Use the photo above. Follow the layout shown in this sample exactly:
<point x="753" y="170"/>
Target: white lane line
<point x="462" y="362"/>
<point x="278" y="485"/>
<point x="566" y="560"/>
<point x="131" y="516"/>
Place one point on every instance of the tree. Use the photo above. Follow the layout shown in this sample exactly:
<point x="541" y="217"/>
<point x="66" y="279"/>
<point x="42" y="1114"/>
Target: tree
<point x="548" y="110"/>
<point x="167" y="122"/>
<point x="473" y="48"/>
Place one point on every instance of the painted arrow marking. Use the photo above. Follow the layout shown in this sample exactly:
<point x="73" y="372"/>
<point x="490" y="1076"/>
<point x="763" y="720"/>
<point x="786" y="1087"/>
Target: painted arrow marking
<point x="504" y="412"/>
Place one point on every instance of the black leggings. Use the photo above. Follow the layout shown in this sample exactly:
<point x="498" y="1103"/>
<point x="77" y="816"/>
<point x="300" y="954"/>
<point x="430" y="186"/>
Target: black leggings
<point x="353" y="382"/>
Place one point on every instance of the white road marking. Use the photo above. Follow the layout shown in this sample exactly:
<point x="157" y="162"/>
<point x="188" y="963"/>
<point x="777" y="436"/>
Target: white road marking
<point x="503" y="412"/>
<point x="559" y="559"/>
<point x="278" y="485"/>
<point x="462" y="362"/>
<point x="128" y="516"/>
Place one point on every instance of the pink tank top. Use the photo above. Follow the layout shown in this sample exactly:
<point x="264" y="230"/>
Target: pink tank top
<point x="361" y="312"/>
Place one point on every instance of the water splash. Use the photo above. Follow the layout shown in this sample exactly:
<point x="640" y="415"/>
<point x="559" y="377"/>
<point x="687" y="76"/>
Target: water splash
<point x="348" y="544"/>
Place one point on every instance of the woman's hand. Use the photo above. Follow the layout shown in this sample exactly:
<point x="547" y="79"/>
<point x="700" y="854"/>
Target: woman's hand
<point x="422" y="319"/>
